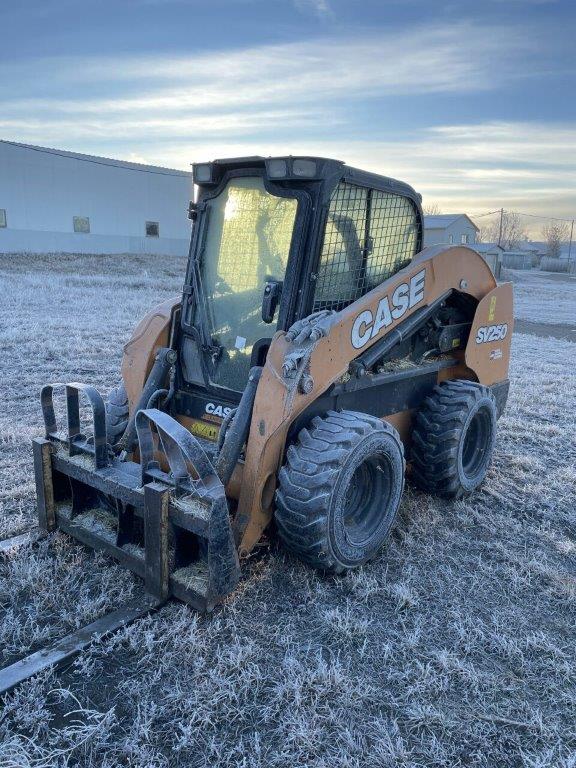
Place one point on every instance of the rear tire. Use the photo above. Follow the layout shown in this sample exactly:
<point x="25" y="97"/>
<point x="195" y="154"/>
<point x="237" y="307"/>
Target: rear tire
<point x="116" y="414"/>
<point x="453" y="438"/>
<point x="340" y="489"/>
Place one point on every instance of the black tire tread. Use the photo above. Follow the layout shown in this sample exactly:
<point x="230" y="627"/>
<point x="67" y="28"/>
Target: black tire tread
<point x="308" y="477"/>
<point x="435" y="437"/>
<point x="116" y="413"/>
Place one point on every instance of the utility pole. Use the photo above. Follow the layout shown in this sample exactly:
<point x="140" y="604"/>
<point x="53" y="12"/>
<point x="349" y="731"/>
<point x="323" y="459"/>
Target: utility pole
<point x="501" y="224"/>
<point x="570" y="243"/>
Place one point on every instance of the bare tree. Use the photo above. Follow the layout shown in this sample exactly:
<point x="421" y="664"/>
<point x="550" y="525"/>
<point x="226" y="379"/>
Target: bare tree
<point x="505" y="229"/>
<point x="431" y="209"/>
<point x="555" y="233"/>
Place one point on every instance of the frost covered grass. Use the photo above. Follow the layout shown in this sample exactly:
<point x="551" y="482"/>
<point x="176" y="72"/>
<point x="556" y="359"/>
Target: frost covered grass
<point x="454" y="647"/>
<point x="544" y="297"/>
<point x="66" y="318"/>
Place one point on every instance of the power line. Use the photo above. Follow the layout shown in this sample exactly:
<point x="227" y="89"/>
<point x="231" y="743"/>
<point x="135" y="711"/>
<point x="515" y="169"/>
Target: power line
<point x="521" y="213"/>
<point x="490" y="213"/>
<point x="548" y="218"/>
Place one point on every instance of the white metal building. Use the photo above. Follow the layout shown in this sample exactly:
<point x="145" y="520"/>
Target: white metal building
<point x="492" y="254"/>
<point x="64" y="202"/>
<point x="517" y="260"/>
<point x="450" y="229"/>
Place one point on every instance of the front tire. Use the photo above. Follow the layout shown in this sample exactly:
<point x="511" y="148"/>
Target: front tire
<point x="340" y="489"/>
<point x="116" y="414"/>
<point x="453" y="438"/>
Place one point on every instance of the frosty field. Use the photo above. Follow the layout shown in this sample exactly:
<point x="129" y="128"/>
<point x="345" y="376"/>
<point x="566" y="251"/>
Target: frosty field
<point x="455" y="647"/>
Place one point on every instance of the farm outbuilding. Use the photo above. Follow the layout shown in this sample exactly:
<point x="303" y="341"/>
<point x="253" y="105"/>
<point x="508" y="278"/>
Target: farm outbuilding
<point x="492" y="254"/>
<point x="449" y="229"/>
<point x="65" y="202"/>
<point x="517" y="260"/>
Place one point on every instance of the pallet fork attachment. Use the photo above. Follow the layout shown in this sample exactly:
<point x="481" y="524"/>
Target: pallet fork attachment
<point x="172" y="528"/>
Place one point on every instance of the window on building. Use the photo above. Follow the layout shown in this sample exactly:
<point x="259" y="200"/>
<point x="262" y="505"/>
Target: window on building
<point x="450" y="239"/>
<point x="3" y="217"/>
<point x="369" y="236"/>
<point x="465" y="239"/>
<point x="81" y="224"/>
<point x="152" y="229"/>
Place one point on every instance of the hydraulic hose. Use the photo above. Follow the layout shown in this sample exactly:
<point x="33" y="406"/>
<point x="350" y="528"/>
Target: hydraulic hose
<point x="165" y="358"/>
<point x="238" y="428"/>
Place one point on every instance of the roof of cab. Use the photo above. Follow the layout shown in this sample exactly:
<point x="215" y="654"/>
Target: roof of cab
<point x="328" y="167"/>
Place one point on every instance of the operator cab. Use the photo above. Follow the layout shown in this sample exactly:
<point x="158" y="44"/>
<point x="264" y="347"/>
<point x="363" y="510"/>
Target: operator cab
<point x="275" y="239"/>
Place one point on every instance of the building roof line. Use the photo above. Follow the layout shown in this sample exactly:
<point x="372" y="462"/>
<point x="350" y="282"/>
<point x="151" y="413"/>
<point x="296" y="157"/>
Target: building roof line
<point x="96" y="160"/>
<point x="486" y="246"/>
<point x="443" y="220"/>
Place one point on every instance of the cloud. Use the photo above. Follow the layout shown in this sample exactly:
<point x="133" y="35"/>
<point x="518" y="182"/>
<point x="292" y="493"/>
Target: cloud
<point x="319" y="8"/>
<point x="306" y="97"/>
<point x="420" y="61"/>
<point x="155" y="127"/>
<point x="473" y="168"/>
<point x="525" y="2"/>
<point x="308" y="89"/>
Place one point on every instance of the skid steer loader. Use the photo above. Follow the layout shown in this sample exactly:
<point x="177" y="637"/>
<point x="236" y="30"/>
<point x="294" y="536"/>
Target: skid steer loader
<point x="316" y="348"/>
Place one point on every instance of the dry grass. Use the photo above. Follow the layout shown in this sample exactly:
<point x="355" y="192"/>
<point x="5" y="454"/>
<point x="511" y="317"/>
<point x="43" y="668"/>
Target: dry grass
<point x="454" y="648"/>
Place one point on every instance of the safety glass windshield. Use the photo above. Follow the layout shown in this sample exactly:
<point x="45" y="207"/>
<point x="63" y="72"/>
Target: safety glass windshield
<point x="248" y="239"/>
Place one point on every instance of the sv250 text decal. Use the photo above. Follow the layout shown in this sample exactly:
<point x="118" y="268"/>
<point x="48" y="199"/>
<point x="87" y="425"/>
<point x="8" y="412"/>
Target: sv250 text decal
<point x="491" y="333"/>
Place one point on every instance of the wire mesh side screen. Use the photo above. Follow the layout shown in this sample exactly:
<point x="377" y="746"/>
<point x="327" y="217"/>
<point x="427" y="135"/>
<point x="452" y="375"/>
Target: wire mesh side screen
<point x="369" y="236"/>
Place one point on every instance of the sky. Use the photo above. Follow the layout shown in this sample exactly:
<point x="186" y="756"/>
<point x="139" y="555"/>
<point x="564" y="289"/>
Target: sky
<point x="473" y="103"/>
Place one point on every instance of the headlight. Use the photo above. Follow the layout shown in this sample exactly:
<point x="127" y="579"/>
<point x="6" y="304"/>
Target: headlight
<point x="277" y="169"/>
<point x="306" y="168"/>
<point x="202" y="173"/>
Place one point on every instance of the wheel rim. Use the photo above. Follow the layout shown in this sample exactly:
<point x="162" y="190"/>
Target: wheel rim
<point x="367" y="495"/>
<point x="476" y="442"/>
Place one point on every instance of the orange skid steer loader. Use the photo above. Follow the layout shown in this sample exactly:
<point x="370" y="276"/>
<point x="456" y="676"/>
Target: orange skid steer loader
<point x="315" y="349"/>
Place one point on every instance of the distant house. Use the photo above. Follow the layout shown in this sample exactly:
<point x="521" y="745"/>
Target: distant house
<point x="449" y="229"/>
<point x="489" y="249"/>
<point x="517" y="260"/>
<point x="539" y="249"/>
<point x="492" y="255"/>
<point x="536" y="249"/>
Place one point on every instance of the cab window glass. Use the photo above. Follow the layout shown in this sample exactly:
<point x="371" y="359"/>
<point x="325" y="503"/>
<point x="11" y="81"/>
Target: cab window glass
<point x="369" y="236"/>
<point x="248" y="243"/>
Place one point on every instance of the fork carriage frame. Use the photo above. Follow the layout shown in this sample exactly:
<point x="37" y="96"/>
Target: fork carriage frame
<point x="170" y="528"/>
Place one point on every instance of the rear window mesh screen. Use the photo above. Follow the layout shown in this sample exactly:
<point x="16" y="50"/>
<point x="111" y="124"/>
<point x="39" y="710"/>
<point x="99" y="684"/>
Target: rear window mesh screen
<point x="369" y="236"/>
